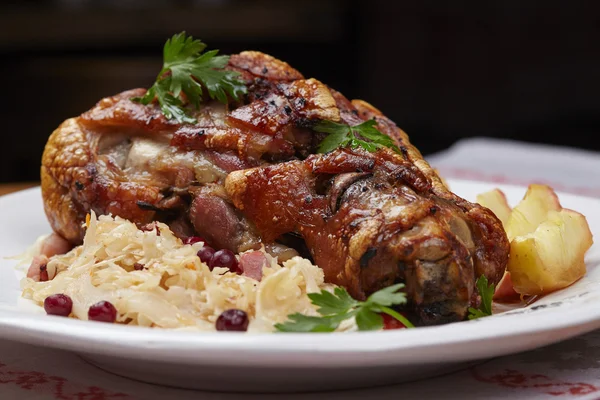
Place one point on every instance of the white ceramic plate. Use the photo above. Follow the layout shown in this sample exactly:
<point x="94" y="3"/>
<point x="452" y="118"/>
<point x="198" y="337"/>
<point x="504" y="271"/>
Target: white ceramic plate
<point x="292" y="362"/>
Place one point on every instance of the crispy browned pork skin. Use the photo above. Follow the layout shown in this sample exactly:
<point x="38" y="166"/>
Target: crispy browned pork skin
<point x="248" y="174"/>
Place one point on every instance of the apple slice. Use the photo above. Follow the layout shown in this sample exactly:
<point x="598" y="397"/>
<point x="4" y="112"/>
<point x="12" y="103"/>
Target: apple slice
<point x="505" y="290"/>
<point x="550" y="257"/>
<point x="496" y="201"/>
<point x="532" y="210"/>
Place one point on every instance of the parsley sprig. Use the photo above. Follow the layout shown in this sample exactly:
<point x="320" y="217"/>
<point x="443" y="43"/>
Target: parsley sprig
<point x="186" y="69"/>
<point x="341" y="135"/>
<point x="339" y="306"/>
<point x="487" y="293"/>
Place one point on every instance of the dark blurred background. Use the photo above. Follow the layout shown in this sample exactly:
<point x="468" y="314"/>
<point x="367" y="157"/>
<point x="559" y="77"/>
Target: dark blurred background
<point x="443" y="71"/>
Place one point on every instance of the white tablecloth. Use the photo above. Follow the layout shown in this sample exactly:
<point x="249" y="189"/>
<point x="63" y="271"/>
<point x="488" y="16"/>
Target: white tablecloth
<point x="568" y="370"/>
<point x="503" y="161"/>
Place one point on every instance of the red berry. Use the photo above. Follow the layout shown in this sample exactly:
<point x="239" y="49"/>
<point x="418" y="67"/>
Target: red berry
<point x="193" y="239"/>
<point x="138" y="266"/>
<point x="224" y="258"/>
<point x="102" y="311"/>
<point x="58" y="304"/>
<point x="206" y="254"/>
<point x="232" y="320"/>
<point x="390" y="322"/>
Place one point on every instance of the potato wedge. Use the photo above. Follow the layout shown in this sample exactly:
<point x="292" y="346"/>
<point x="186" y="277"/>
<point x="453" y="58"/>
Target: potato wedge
<point x="496" y="201"/>
<point x="551" y="256"/>
<point x="532" y="211"/>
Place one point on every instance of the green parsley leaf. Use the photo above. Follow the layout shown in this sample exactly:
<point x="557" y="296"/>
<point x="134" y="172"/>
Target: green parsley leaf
<point x="305" y="323"/>
<point x="388" y="296"/>
<point x="332" y="303"/>
<point x="367" y="320"/>
<point x="171" y="106"/>
<point x="340" y="135"/>
<point x="368" y="130"/>
<point x="474" y="313"/>
<point x="332" y="127"/>
<point x="333" y="141"/>
<point x="339" y="306"/>
<point x="189" y="71"/>
<point x="181" y="48"/>
<point x="487" y="293"/>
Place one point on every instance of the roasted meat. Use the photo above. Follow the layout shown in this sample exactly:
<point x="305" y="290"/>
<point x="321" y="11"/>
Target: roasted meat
<point x="247" y="174"/>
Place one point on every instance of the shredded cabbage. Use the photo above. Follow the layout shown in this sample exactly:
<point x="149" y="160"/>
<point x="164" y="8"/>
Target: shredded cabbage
<point x="175" y="289"/>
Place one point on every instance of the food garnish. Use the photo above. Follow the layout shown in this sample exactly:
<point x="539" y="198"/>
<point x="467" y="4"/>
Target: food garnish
<point x="102" y="311"/>
<point x="224" y="258"/>
<point x="551" y="257"/>
<point x="341" y="135"/>
<point x="487" y="293"/>
<point x="232" y="320"/>
<point x="58" y="304"/>
<point x="186" y="69"/>
<point x="390" y="323"/>
<point x="206" y="254"/>
<point x="525" y="218"/>
<point x="548" y="242"/>
<point x="339" y="306"/>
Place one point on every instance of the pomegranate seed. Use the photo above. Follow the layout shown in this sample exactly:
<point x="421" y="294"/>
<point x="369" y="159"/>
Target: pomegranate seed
<point x="224" y="258"/>
<point x="206" y="254"/>
<point x="390" y="322"/>
<point x="58" y="304"/>
<point x="102" y="311"/>
<point x="193" y="239"/>
<point x="232" y="320"/>
<point x="138" y="266"/>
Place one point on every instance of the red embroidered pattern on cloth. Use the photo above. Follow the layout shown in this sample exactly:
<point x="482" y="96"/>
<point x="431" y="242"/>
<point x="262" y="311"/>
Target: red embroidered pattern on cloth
<point x="544" y="384"/>
<point x="55" y="385"/>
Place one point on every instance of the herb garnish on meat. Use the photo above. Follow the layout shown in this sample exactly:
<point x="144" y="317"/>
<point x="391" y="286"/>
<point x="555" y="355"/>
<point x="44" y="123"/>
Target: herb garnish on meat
<point x="341" y="135"/>
<point x="186" y="69"/>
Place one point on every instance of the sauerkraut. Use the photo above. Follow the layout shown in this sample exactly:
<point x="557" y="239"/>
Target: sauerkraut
<point x="174" y="289"/>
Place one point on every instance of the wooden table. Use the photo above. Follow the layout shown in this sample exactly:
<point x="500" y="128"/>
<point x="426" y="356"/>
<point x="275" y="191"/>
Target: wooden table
<point x="6" y="188"/>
